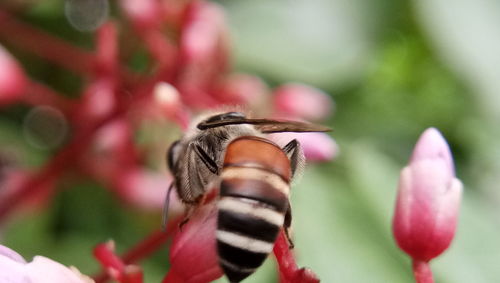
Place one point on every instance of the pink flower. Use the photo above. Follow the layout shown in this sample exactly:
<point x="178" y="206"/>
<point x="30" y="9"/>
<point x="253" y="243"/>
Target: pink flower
<point x="13" y="268"/>
<point x="12" y="78"/>
<point x="427" y="203"/>
<point x="301" y="101"/>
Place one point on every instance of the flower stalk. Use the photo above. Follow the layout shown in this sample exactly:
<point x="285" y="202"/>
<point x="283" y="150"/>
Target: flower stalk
<point x="422" y="272"/>
<point x="289" y="272"/>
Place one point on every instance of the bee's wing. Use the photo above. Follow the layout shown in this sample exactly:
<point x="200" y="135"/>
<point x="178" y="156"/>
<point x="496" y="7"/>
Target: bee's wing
<point x="267" y="125"/>
<point x="290" y="126"/>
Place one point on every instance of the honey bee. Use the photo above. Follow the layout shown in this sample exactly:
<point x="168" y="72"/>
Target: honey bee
<point x="253" y="175"/>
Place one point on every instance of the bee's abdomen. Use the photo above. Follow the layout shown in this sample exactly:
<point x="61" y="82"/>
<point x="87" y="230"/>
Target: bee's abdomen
<point x="246" y="232"/>
<point x="251" y="210"/>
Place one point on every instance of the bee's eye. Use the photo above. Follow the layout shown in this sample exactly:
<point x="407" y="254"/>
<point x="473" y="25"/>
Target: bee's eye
<point x="173" y="155"/>
<point x="226" y="116"/>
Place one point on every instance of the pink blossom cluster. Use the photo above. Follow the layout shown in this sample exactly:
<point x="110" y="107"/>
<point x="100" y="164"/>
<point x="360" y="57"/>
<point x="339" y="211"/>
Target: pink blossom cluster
<point x="189" y="71"/>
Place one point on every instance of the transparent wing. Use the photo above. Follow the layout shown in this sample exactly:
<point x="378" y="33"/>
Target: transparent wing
<point x="267" y="125"/>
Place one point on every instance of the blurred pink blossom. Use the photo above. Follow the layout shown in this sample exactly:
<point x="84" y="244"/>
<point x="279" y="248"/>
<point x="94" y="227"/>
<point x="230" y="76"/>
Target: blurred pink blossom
<point x="204" y="32"/>
<point x="317" y="147"/>
<point x="12" y="78"/>
<point x="146" y="190"/>
<point x="240" y="89"/>
<point x="302" y="101"/>
<point x="13" y="268"/>
<point x="98" y="100"/>
<point x="145" y="14"/>
<point x="428" y="202"/>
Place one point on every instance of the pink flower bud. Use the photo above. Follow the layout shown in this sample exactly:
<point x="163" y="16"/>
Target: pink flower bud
<point x="428" y="200"/>
<point x="168" y="99"/>
<point x="12" y="78"/>
<point x="193" y="256"/>
<point x="13" y="268"/>
<point x="302" y="101"/>
<point x="317" y="147"/>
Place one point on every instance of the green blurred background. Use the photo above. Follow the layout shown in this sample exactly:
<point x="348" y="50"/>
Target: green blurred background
<point x="393" y="68"/>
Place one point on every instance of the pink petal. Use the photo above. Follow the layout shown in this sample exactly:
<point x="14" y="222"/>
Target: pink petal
<point x="192" y="255"/>
<point x="11" y="254"/>
<point x="12" y="270"/>
<point x="432" y="145"/>
<point x="45" y="270"/>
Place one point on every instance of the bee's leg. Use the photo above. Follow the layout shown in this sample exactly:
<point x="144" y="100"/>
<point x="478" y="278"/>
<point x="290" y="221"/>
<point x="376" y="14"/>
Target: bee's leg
<point x="166" y="206"/>
<point x="190" y="209"/>
<point x="206" y="159"/>
<point x="188" y="212"/>
<point x="296" y="156"/>
<point x="287" y="225"/>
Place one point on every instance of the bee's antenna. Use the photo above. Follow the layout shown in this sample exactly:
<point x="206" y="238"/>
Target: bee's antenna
<point x="166" y="205"/>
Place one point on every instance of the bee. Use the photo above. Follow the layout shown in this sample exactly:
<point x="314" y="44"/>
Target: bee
<point x="253" y="175"/>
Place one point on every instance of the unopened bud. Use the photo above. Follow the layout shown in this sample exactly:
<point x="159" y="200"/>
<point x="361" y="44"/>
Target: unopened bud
<point x="428" y="202"/>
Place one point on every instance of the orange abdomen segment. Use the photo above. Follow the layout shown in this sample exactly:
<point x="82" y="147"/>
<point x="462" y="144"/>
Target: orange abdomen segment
<point x="249" y="151"/>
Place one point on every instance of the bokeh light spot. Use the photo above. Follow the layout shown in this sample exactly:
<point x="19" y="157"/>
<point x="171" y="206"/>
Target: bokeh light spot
<point x="86" y="15"/>
<point x="45" y="127"/>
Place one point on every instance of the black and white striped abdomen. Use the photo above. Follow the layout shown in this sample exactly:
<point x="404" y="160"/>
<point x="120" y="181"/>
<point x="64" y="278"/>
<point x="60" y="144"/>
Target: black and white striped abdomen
<point x="251" y="212"/>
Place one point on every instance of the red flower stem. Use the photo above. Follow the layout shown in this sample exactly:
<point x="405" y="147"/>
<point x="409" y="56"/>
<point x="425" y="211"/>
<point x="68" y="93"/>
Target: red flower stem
<point x="422" y="272"/>
<point x="40" y="94"/>
<point x="288" y="269"/>
<point x="115" y="267"/>
<point x="284" y="257"/>
<point x="145" y="247"/>
<point x="107" y="49"/>
<point x="45" y="45"/>
<point x="51" y="48"/>
<point x="104" y="253"/>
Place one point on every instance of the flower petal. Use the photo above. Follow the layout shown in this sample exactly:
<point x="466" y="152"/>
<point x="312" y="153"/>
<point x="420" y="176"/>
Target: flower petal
<point x="45" y="270"/>
<point x="192" y="254"/>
